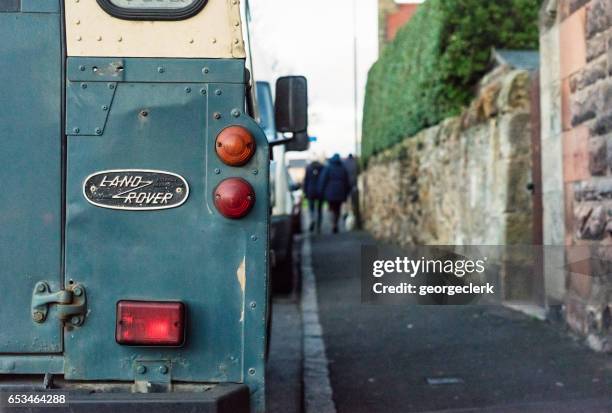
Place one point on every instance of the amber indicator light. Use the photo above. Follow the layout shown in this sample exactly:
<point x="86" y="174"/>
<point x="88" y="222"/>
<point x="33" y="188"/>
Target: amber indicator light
<point x="235" y="146"/>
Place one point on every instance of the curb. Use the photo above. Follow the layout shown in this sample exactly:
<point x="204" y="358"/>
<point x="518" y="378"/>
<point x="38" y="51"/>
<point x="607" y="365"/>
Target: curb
<point x="318" y="394"/>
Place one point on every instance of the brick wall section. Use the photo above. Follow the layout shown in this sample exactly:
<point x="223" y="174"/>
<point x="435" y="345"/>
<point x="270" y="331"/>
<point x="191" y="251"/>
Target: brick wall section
<point x="397" y="20"/>
<point x="391" y="18"/>
<point x="385" y="7"/>
<point x="585" y="31"/>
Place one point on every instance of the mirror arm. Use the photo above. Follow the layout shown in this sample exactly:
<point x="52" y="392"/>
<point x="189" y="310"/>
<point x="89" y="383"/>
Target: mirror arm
<point x="279" y="142"/>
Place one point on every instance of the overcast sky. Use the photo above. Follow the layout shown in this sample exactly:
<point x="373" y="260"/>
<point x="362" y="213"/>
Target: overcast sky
<point x="315" y="38"/>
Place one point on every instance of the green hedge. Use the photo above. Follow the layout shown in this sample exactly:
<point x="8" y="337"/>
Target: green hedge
<point x="429" y="72"/>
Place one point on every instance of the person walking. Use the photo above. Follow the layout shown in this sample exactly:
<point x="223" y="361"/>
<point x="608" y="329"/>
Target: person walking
<point x="311" y="191"/>
<point x="351" y="217"/>
<point x="334" y="187"/>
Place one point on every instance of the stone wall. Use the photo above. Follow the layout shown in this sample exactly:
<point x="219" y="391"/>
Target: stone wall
<point x="463" y="181"/>
<point x="581" y="75"/>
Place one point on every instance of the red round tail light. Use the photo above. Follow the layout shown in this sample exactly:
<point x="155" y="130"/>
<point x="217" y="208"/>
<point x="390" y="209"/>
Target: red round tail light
<point x="235" y="146"/>
<point x="234" y="198"/>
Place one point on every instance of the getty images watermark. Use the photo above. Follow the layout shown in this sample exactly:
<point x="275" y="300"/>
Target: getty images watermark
<point x="464" y="275"/>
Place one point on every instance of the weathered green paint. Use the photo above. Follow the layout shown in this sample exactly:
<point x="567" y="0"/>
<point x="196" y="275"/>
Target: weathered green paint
<point x="40" y="6"/>
<point x="190" y="253"/>
<point x="30" y="165"/>
<point x="29" y="364"/>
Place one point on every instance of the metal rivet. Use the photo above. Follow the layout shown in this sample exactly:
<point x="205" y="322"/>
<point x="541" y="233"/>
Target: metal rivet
<point x="141" y="369"/>
<point x="98" y="131"/>
<point x="203" y="91"/>
<point x="254" y="238"/>
<point x="218" y="92"/>
<point x="252" y="371"/>
<point x="82" y="68"/>
<point x="191" y="41"/>
<point x="253" y="304"/>
<point x="76" y="130"/>
<point x="255" y="171"/>
<point x="206" y="70"/>
<point x="77" y="22"/>
<point x="75" y="320"/>
<point x="120" y="39"/>
<point x="38" y="316"/>
<point x="217" y="171"/>
<point x="161" y="69"/>
<point x="236" y="113"/>
<point x="217" y="115"/>
<point x="163" y="369"/>
<point x="41" y="288"/>
<point x="236" y="41"/>
<point x="144" y="113"/>
<point x="78" y="291"/>
<point x="188" y="90"/>
<point x="111" y="86"/>
<point x="79" y="38"/>
<point x="214" y="40"/>
<point x="99" y="38"/>
<point x="83" y="85"/>
<point x="104" y="108"/>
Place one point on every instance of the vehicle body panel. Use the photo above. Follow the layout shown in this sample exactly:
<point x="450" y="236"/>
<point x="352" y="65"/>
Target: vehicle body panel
<point x="164" y="255"/>
<point x="31" y="186"/>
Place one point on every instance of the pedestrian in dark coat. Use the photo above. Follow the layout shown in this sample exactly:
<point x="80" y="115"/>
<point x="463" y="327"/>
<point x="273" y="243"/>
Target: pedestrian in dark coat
<point x="334" y="187"/>
<point x="311" y="191"/>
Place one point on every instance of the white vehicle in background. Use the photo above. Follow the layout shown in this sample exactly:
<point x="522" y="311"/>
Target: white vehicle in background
<point x="285" y="204"/>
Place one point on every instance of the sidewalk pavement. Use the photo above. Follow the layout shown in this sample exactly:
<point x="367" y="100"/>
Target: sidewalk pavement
<point x="454" y="359"/>
<point x="284" y="368"/>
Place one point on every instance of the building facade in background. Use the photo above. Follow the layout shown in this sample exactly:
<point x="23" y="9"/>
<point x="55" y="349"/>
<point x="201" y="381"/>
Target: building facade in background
<point x="392" y="16"/>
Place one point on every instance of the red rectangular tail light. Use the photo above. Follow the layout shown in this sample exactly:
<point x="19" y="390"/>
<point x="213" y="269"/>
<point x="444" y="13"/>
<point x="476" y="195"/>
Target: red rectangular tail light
<point x="146" y="323"/>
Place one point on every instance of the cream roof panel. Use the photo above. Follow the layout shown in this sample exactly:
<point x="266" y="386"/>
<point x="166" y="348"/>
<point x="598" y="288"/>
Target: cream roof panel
<point x="216" y="32"/>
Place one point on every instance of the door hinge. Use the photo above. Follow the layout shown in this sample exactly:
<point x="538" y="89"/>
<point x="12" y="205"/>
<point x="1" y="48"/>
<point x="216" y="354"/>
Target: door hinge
<point x="70" y="304"/>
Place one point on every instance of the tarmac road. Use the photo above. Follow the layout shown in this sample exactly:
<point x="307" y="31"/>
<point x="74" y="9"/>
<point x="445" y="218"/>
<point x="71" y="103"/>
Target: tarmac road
<point x="486" y="359"/>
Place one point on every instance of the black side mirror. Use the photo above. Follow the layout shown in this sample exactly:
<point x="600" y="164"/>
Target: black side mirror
<point x="291" y="104"/>
<point x="299" y="143"/>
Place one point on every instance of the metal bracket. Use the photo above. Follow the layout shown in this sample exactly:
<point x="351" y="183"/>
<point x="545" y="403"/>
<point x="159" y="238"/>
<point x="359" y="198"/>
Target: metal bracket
<point x="71" y="303"/>
<point x="152" y="376"/>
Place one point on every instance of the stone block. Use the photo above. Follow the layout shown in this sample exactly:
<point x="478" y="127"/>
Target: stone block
<point x="589" y="221"/>
<point x="550" y="55"/>
<point x="553" y="218"/>
<point x="593" y="72"/>
<point x="596" y="46"/>
<point x="566" y="109"/>
<point x="576" y="4"/>
<point x="569" y="213"/>
<point x="552" y="164"/>
<point x="598" y="155"/>
<point x="575" y="154"/>
<point x="598" y="17"/>
<point x="610" y="54"/>
<point x="609" y="149"/>
<point x="573" y="43"/>
<point x="584" y="105"/>
<point x="603" y="124"/>
<point x="550" y="105"/>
